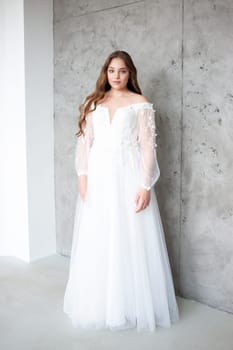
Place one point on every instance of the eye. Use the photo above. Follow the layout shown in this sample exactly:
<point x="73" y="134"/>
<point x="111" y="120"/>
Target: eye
<point x="110" y="70"/>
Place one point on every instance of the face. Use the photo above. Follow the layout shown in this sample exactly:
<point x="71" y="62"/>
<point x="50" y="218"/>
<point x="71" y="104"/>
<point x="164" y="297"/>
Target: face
<point x="118" y="74"/>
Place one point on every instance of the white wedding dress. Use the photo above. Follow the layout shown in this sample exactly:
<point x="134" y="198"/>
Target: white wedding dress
<point x="119" y="275"/>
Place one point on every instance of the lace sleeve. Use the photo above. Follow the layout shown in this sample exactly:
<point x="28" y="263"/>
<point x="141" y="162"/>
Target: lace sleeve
<point x="150" y="171"/>
<point x="83" y="145"/>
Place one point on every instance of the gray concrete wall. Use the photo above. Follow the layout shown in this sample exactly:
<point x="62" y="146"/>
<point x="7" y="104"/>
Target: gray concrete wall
<point x="206" y="244"/>
<point x="183" y="54"/>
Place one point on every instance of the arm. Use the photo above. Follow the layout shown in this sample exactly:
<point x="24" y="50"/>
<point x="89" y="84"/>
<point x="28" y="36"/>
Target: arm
<point x="149" y="166"/>
<point x="147" y="139"/>
<point x="83" y="145"/>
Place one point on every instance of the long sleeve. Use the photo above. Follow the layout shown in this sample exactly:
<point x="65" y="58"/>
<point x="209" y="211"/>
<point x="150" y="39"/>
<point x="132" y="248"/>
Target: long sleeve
<point x="150" y="171"/>
<point x="83" y="145"/>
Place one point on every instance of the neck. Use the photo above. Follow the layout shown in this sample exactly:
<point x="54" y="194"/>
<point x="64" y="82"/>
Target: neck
<point x="117" y="93"/>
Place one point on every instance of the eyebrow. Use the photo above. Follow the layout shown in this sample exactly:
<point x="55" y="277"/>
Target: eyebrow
<point x="119" y="68"/>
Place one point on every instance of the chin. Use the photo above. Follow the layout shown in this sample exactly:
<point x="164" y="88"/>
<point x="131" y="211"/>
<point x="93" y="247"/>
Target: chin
<point x="118" y="87"/>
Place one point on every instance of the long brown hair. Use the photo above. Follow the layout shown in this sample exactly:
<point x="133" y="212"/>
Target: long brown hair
<point x="102" y="86"/>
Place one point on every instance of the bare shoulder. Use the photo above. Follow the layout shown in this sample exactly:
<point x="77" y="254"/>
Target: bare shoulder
<point x="137" y="98"/>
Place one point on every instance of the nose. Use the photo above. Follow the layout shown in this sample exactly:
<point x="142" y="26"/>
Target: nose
<point x="117" y="75"/>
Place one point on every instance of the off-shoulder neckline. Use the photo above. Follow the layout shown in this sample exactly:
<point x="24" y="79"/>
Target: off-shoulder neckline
<point x="126" y="106"/>
<point x="111" y="118"/>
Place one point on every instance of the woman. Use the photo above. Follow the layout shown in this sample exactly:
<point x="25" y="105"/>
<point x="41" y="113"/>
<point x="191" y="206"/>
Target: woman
<point x="120" y="275"/>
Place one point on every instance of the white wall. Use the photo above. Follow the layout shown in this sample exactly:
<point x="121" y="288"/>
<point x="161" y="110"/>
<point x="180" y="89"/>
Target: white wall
<point x="38" y="23"/>
<point x="27" y="225"/>
<point x="13" y="198"/>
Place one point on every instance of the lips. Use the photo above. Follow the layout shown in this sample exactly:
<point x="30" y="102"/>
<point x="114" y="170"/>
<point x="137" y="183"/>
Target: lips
<point x="116" y="82"/>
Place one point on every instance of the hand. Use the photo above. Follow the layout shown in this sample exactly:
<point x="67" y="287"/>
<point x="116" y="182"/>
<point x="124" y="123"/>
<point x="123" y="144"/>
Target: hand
<point x="82" y="184"/>
<point x="142" y="199"/>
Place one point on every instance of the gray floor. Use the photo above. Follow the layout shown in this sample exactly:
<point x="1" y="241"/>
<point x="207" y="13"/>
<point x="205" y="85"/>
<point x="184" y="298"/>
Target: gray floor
<point x="31" y="316"/>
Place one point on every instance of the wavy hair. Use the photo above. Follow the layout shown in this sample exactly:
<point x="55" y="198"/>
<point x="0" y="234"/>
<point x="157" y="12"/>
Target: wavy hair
<point x="102" y="86"/>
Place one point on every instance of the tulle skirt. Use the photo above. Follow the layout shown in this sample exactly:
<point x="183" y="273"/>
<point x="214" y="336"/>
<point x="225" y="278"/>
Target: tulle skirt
<point x="119" y="275"/>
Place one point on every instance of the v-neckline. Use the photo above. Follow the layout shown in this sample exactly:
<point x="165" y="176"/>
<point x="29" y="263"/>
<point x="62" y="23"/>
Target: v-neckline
<point x="111" y="119"/>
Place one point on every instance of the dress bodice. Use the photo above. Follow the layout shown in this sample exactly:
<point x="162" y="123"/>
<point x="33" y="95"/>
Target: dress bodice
<point x="122" y="130"/>
<point x="129" y="135"/>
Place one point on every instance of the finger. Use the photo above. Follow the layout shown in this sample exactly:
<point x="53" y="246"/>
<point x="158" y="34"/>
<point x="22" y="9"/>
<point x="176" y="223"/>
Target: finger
<point x="137" y="198"/>
<point x="82" y="195"/>
<point x="139" y="209"/>
<point x="139" y="206"/>
<point x="143" y="206"/>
